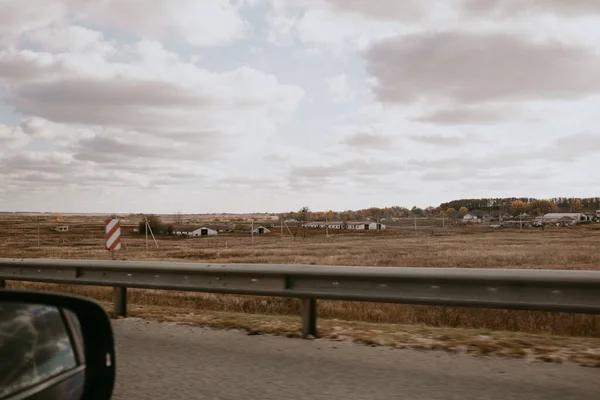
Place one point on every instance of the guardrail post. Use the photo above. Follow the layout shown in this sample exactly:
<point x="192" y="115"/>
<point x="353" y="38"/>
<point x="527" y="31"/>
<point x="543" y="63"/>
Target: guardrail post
<point x="119" y="302"/>
<point x="309" y="317"/>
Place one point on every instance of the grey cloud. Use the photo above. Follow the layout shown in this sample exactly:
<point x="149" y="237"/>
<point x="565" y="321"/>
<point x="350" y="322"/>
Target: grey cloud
<point x="565" y="149"/>
<point x="482" y="176"/>
<point x="470" y="116"/>
<point x="347" y="169"/>
<point x="12" y="70"/>
<point x="470" y="68"/>
<point x="21" y="162"/>
<point x="84" y="179"/>
<point x="439" y="176"/>
<point x="104" y="102"/>
<point x="572" y="147"/>
<point x="509" y="8"/>
<point x="443" y="140"/>
<point x="247" y="182"/>
<point x="381" y="9"/>
<point x="12" y="137"/>
<point x="364" y="140"/>
<point x="112" y="149"/>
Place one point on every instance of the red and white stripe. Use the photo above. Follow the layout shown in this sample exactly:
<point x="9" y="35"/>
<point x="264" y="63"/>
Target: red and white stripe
<point x="113" y="234"/>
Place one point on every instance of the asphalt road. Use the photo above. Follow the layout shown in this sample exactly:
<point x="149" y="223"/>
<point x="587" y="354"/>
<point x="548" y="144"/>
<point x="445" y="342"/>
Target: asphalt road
<point x="167" y="361"/>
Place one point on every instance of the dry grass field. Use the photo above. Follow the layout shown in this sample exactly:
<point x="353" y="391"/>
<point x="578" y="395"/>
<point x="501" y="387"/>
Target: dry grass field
<point x="430" y="246"/>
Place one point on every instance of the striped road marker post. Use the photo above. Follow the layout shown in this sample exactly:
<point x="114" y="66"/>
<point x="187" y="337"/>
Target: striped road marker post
<point x="113" y="235"/>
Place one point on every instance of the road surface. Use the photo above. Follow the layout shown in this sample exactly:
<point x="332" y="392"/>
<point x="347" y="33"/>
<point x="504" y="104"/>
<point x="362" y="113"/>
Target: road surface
<point x="167" y="361"/>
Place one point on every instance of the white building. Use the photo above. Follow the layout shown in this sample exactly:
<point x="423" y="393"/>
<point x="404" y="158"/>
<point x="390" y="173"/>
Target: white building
<point x="62" y="228"/>
<point x="365" y="226"/>
<point x="555" y="217"/>
<point x="204" y="231"/>
<point x="261" y="230"/>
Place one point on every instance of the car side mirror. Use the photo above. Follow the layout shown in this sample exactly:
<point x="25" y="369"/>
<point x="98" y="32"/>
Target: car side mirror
<point x="54" y="347"/>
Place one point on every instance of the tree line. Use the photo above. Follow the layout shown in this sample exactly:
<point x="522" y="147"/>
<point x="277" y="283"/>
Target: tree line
<point x="455" y="209"/>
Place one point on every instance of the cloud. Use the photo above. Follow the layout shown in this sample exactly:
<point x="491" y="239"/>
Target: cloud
<point x="486" y="115"/>
<point x="155" y="92"/>
<point x="70" y="39"/>
<point x="381" y="9"/>
<point x="347" y="169"/>
<point x="330" y="23"/>
<point x="511" y="8"/>
<point x="467" y="68"/>
<point x="123" y="147"/>
<point x="571" y="147"/>
<point x="365" y="140"/>
<point x="565" y="149"/>
<point x="135" y="115"/>
<point x="199" y="23"/>
<point x="26" y="65"/>
<point x="46" y="162"/>
<point x="12" y="138"/>
<point x="17" y="18"/>
<point x="339" y="89"/>
<point x="445" y="140"/>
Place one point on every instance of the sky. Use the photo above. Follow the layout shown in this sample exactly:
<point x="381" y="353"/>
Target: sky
<point x="272" y="105"/>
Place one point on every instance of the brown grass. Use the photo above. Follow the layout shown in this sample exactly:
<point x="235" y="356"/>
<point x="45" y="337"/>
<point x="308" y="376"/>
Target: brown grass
<point x="564" y="248"/>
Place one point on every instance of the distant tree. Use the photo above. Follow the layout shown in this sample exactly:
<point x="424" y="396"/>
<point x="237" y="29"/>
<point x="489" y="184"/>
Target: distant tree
<point x="156" y="225"/>
<point x="430" y="210"/>
<point x="304" y="212"/>
<point x="416" y="211"/>
<point x="451" y="212"/>
<point x="518" y="207"/>
<point x="576" y="205"/>
<point x="462" y="212"/>
<point x="541" y="207"/>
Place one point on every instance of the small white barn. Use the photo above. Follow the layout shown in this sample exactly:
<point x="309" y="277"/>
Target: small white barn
<point x="204" y="231"/>
<point x="62" y="228"/>
<point x="261" y="230"/>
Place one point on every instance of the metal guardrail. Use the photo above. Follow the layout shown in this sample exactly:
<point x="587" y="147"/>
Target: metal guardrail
<point x="516" y="289"/>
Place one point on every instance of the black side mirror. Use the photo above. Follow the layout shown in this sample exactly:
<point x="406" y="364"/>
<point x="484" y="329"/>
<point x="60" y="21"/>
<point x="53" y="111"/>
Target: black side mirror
<point x="54" y="347"/>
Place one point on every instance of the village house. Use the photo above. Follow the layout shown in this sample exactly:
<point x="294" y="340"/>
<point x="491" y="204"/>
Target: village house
<point x="471" y="218"/>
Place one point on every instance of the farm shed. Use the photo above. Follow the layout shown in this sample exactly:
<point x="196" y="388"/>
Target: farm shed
<point x="261" y="230"/>
<point x="348" y="225"/>
<point x="204" y="231"/>
<point x="365" y="226"/>
<point x="62" y="228"/>
<point x="556" y="217"/>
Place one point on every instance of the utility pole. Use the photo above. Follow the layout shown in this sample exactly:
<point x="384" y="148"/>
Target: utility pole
<point x="281" y="223"/>
<point x="415" y="224"/>
<point x="38" y="231"/>
<point x="252" y="230"/>
<point x="521" y="221"/>
<point x="146" y="225"/>
<point x="326" y="226"/>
